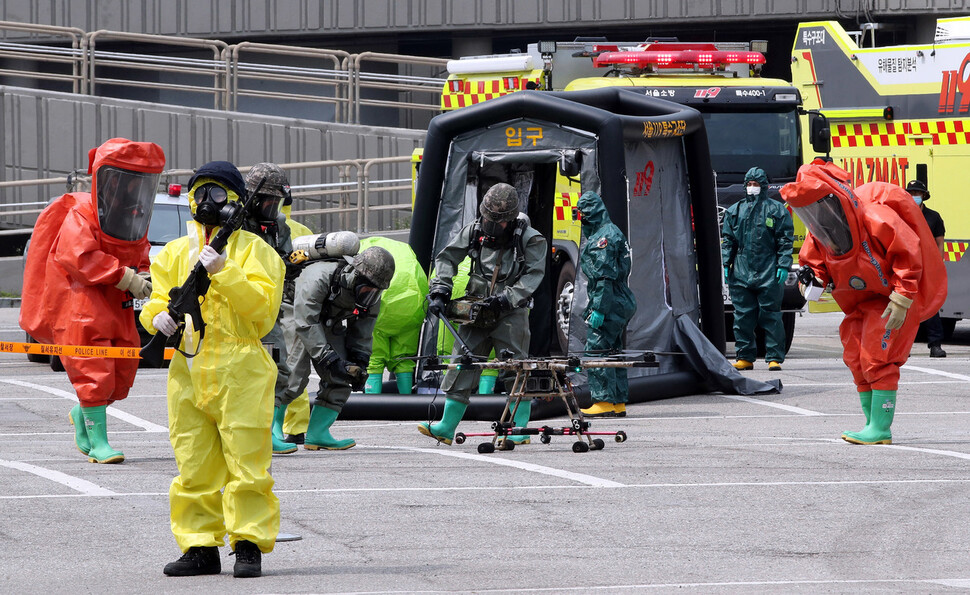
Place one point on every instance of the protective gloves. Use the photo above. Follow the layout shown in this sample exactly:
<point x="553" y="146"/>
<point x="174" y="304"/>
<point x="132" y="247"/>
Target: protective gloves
<point x="137" y="283"/>
<point x="359" y="358"/>
<point x="595" y="319"/>
<point x="497" y="303"/>
<point x="727" y="272"/>
<point x="437" y="303"/>
<point x="781" y="275"/>
<point x="896" y="311"/>
<point x="165" y="324"/>
<point x="212" y="260"/>
<point x="344" y="371"/>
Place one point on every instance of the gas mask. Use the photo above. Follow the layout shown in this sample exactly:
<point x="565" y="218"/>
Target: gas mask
<point x="210" y="200"/>
<point x="497" y="233"/>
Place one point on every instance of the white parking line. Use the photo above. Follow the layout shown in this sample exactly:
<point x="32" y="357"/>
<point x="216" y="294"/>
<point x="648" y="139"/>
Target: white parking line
<point x="948" y="582"/>
<point x="85" y="487"/>
<point x="936" y="372"/>
<point x="781" y="406"/>
<point x="578" y="477"/>
<point x="641" y="486"/>
<point x="112" y="411"/>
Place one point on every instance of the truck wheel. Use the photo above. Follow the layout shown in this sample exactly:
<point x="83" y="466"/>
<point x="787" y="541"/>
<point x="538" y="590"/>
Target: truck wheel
<point x="56" y="364"/>
<point x="36" y="358"/>
<point x="949" y="325"/>
<point x="564" y="303"/>
<point x="788" y="321"/>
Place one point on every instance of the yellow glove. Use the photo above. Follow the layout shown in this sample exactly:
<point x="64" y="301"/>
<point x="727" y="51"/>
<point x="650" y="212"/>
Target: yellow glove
<point x="896" y="310"/>
<point x="139" y="286"/>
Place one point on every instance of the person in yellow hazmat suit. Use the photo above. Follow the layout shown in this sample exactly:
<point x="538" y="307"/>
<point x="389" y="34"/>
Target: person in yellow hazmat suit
<point x="220" y="402"/>
<point x="398" y="325"/>
<point x="298" y="412"/>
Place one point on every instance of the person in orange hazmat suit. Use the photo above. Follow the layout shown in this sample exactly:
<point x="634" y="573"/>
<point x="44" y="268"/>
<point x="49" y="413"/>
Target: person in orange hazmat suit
<point x="873" y="245"/>
<point x="87" y="261"/>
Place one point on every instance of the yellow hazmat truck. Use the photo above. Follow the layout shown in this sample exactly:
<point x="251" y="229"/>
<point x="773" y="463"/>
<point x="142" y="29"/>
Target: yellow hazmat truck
<point x="895" y="114"/>
<point x="750" y="120"/>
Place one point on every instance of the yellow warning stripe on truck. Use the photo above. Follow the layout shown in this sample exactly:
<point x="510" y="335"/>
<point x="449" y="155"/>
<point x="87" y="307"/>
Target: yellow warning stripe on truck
<point x="564" y="205"/>
<point x="75" y="350"/>
<point x="953" y="250"/>
<point x="901" y="134"/>
<point x="464" y="92"/>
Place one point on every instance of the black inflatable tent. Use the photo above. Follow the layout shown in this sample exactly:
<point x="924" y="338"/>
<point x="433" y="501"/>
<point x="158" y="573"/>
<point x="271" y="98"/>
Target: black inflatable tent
<point x="649" y="160"/>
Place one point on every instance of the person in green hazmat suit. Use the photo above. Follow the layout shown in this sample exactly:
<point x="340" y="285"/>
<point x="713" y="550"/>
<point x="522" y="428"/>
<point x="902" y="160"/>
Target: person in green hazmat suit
<point x="508" y="263"/>
<point x="298" y="413"/>
<point x="756" y="243"/>
<point x="266" y="221"/>
<point x="220" y="402"/>
<point x="336" y="304"/>
<point x="605" y="260"/>
<point x="398" y="325"/>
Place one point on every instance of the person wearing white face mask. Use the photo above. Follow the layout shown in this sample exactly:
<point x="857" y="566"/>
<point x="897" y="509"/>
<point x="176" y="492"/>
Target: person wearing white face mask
<point x="756" y="243"/>
<point x="933" y="327"/>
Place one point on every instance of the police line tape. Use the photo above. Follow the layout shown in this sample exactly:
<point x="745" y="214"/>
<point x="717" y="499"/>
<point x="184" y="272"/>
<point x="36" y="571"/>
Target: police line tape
<point x="76" y="350"/>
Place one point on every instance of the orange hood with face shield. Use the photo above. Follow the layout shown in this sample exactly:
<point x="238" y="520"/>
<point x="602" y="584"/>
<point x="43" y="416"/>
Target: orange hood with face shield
<point x="878" y="210"/>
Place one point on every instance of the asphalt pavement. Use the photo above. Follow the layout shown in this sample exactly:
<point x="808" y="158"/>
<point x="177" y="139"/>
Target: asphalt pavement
<point x="711" y="493"/>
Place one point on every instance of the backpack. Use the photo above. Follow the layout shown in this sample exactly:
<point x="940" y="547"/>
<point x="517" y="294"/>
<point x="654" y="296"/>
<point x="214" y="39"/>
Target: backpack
<point x="33" y="318"/>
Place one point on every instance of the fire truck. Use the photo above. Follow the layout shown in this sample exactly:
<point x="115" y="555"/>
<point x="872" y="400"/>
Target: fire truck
<point x="750" y="120"/>
<point x="895" y="114"/>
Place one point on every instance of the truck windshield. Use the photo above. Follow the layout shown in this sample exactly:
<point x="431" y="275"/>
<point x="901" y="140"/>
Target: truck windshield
<point x="742" y="140"/>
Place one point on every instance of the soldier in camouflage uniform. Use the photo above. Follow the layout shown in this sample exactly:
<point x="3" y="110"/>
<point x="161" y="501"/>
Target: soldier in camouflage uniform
<point x="500" y="239"/>
<point x="265" y="220"/>
<point x="336" y="303"/>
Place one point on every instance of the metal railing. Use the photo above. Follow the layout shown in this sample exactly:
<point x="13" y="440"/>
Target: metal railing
<point x="334" y="82"/>
<point x="74" y="55"/>
<point x="350" y="82"/>
<point x="341" y="194"/>
<point x="214" y="69"/>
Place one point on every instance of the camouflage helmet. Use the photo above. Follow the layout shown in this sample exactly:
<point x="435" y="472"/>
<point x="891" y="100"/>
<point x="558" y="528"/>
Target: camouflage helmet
<point x="501" y="203"/>
<point x="276" y="182"/>
<point x="376" y="264"/>
<point x="272" y="193"/>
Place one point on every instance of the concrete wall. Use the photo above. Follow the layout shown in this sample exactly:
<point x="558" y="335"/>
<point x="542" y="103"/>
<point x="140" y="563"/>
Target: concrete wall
<point x="331" y="19"/>
<point x="48" y="134"/>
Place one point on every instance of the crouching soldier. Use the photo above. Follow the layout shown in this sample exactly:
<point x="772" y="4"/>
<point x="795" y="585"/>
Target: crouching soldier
<point x="336" y="304"/>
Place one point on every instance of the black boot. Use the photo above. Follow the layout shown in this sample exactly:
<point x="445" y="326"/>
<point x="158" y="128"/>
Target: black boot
<point x="196" y="561"/>
<point x="937" y="351"/>
<point x="248" y="560"/>
<point x="294" y="438"/>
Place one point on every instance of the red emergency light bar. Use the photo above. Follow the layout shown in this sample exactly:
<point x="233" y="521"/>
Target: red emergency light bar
<point x="677" y="58"/>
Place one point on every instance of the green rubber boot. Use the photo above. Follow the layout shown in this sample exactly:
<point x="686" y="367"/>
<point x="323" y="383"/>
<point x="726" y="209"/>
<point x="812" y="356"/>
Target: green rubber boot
<point x="444" y="430"/>
<point x="80" y="434"/>
<point x="95" y="422"/>
<point x="521" y="420"/>
<point x="374" y="384"/>
<point x="865" y="397"/>
<point x="318" y="436"/>
<point x="486" y="384"/>
<point x="881" y="418"/>
<point x="280" y="445"/>
<point x="405" y="382"/>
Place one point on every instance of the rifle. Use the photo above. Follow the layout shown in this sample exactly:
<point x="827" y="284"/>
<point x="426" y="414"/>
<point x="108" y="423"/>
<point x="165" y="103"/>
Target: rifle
<point x="185" y="299"/>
